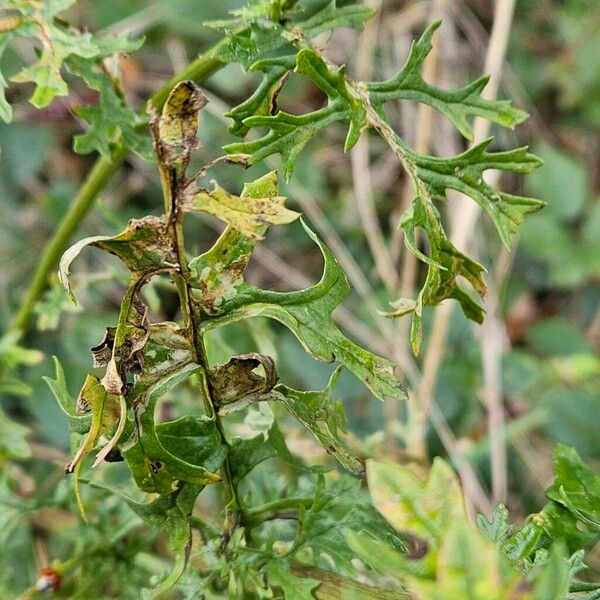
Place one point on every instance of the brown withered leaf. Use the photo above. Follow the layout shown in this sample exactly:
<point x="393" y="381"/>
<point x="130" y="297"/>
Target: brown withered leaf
<point x="236" y="379"/>
<point x="175" y="130"/>
<point x="145" y="246"/>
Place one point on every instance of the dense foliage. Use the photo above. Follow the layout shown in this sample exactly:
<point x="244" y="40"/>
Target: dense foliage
<point x="286" y="524"/>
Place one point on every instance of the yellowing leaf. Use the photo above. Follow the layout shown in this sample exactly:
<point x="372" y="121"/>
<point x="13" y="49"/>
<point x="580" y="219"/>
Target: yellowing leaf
<point x="246" y="214"/>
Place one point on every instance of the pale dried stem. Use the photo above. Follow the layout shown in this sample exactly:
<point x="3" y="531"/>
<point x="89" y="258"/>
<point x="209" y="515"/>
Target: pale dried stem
<point x="361" y="169"/>
<point x="468" y="210"/>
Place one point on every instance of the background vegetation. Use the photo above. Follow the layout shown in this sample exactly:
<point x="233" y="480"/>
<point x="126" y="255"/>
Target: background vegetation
<point x="533" y="363"/>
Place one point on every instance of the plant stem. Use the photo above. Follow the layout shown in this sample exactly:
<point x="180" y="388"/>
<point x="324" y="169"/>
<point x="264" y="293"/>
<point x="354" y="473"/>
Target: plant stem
<point x="258" y="514"/>
<point x="104" y="168"/>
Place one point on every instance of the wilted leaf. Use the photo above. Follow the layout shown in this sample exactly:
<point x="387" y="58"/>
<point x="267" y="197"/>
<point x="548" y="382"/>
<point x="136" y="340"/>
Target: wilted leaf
<point x="145" y="247"/>
<point x="108" y="414"/>
<point x="236" y="380"/>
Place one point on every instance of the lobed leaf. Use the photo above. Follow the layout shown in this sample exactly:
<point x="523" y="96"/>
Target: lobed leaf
<point x="457" y="105"/>
<point x="246" y="214"/>
<point x="109" y="116"/>
<point x="246" y="454"/>
<point x="226" y="298"/>
<point x="290" y="133"/>
<point x="293" y="587"/>
<point x="263" y="101"/>
<point x="464" y="173"/>
<point x="444" y="265"/>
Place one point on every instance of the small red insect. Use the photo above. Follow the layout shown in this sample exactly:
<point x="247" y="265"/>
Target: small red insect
<point x="48" y="580"/>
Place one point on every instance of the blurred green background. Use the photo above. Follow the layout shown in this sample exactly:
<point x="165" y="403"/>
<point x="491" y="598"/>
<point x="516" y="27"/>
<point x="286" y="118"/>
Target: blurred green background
<point x="547" y="289"/>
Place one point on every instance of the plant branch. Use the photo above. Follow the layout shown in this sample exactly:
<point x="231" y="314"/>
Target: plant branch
<point x="104" y="168"/>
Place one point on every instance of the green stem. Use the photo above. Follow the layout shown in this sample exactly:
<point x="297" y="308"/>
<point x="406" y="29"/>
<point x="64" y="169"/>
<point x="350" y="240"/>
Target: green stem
<point x="104" y="168"/>
<point x="259" y="514"/>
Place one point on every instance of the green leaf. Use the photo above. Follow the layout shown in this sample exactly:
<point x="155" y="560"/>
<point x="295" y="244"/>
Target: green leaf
<point x="426" y="509"/>
<point x="60" y="42"/>
<point x="226" y="298"/>
<point x="55" y="302"/>
<point x="293" y="587"/>
<point x="246" y="214"/>
<point x="324" y="418"/>
<point x="457" y="105"/>
<point x="13" y="439"/>
<point x="109" y="116"/>
<point x="252" y="35"/>
<point x="222" y="294"/>
<point x="246" y="454"/>
<point x="155" y="465"/>
<point x="339" y="507"/>
<point x="552" y="583"/>
<point x="445" y="264"/>
<point x="331" y="16"/>
<point x="468" y="566"/>
<point x="576" y="486"/>
<point x="5" y="107"/>
<point x="169" y="513"/>
<point x="378" y="555"/>
<point x="78" y="422"/>
<point x="144" y="247"/>
<point x="290" y="133"/>
<point x="262" y="101"/>
<point x="498" y="529"/>
<point x="464" y="173"/>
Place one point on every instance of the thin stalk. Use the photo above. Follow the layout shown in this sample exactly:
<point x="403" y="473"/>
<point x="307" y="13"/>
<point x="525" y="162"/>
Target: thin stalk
<point x="259" y="514"/>
<point x="104" y="168"/>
